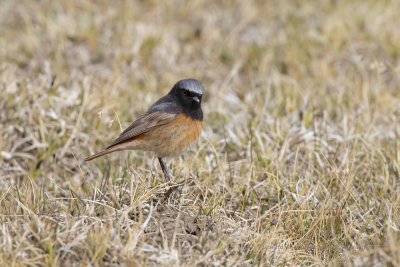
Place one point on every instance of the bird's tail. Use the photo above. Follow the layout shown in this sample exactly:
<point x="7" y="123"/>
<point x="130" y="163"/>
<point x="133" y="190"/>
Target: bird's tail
<point x="102" y="153"/>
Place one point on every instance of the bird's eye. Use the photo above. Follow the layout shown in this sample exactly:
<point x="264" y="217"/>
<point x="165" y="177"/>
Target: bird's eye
<point x="188" y="94"/>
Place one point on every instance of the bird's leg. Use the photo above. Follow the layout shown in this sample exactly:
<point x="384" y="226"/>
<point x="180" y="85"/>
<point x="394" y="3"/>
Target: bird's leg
<point x="171" y="186"/>
<point x="164" y="169"/>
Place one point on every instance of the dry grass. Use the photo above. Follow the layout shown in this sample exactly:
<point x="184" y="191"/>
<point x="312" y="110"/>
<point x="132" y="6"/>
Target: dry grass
<point x="298" y="163"/>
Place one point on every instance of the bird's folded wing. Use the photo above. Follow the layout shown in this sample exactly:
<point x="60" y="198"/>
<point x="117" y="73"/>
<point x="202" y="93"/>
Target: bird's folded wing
<point x="145" y="123"/>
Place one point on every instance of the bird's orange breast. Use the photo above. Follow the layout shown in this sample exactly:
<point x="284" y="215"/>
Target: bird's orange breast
<point x="170" y="139"/>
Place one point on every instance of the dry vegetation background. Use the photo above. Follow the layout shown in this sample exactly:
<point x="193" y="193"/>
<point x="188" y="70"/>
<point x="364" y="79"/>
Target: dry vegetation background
<point x="298" y="162"/>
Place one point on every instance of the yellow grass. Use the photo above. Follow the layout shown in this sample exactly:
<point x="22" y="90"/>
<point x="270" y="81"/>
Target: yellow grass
<point x="298" y="163"/>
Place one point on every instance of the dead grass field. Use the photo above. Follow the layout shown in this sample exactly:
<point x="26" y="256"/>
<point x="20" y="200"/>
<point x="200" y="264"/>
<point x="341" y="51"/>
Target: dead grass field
<point x="298" y="162"/>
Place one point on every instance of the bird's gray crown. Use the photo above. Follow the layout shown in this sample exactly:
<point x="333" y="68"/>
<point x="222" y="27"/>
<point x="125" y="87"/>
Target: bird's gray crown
<point x="192" y="85"/>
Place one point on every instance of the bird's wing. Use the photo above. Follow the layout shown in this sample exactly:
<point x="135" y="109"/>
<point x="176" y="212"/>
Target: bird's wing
<point x="146" y="122"/>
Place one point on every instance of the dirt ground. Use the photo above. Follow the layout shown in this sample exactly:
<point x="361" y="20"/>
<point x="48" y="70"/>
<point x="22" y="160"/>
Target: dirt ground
<point x="297" y="163"/>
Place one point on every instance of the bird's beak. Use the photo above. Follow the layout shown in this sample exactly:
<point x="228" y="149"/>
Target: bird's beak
<point x="197" y="99"/>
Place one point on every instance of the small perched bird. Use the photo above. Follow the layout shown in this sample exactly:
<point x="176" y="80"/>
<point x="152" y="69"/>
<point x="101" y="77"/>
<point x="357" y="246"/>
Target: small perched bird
<point x="170" y="125"/>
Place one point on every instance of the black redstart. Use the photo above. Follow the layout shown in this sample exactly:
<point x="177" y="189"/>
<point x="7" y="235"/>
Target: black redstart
<point x="170" y="125"/>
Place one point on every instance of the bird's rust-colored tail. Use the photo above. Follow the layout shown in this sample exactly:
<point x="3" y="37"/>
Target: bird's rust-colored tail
<point x="102" y="153"/>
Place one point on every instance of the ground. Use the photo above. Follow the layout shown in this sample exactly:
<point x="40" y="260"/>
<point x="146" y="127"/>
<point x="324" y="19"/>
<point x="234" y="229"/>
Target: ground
<point x="298" y="162"/>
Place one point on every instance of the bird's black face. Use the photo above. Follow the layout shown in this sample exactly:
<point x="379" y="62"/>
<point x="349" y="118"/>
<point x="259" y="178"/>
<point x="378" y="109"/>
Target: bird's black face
<point x="190" y="103"/>
<point x="189" y="99"/>
<point x="188" y="93"/>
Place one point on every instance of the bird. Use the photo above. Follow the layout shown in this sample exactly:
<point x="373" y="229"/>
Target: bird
<point x="170" y="125"/>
